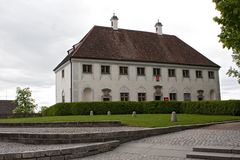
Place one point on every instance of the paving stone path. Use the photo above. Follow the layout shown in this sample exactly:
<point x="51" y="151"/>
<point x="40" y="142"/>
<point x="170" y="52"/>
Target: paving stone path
<point x="174" y="146"/>
<point x="9" y="147"/>
<point x="66" y="130"/>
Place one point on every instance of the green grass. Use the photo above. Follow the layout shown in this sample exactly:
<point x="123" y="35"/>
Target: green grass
<point x="143" y="120"/>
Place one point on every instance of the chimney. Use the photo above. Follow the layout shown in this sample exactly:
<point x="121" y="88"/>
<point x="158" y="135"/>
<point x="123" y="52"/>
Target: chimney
<point x="114" y="22"/>
<point x="158" y="27"/>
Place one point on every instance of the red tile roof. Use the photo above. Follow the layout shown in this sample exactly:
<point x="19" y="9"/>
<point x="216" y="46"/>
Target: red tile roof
<point x="129" y="45"/>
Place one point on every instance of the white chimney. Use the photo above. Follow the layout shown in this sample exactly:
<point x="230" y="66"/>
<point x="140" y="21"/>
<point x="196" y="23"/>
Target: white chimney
<point x="114" y="22"/>
<point x="158" y="27"/>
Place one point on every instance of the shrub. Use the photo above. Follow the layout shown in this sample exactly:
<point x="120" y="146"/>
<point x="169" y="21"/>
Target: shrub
<point x="231" y="107"/>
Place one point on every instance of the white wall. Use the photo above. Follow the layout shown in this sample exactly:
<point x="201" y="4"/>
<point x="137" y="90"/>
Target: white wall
<point x="63" y="84"/>
<point x="96" y="82"/>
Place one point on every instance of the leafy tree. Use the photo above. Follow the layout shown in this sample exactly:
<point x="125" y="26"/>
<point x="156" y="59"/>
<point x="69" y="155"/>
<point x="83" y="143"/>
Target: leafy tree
<point x="25" y="104"/>
<point x="229" y="20"/>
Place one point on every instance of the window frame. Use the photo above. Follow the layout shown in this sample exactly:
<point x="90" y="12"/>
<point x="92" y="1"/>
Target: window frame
<point x="155" y="71"/>
<point x="123" y="70"/>
<point x="63" y="73"/>
<point x="142" y="96"/>
<point x="186" y="73"/>
<point x="105" y="69"/>
<point x="211" y="75"/>
<point x="171" y="97"/>
<point x="186" y="99"/>
<point x="199" y="74"/>
<point x="141" y="71"/>
<point x="171" y="74"/>
<point x="124" y="96"/>
<point x="87" y="68"/>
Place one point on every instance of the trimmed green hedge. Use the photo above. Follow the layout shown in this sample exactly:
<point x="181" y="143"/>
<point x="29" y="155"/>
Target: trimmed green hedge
<point x="231" y="107"/>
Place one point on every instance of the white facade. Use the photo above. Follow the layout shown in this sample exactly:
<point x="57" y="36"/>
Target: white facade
<point x="77" y="86"/>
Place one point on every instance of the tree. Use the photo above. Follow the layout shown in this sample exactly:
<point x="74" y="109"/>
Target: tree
<point x="25" y="104"/>
<point x="229" y="20"/>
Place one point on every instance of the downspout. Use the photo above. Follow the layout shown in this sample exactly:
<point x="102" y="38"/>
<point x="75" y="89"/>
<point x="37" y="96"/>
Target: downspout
<point x="71" y="80"/>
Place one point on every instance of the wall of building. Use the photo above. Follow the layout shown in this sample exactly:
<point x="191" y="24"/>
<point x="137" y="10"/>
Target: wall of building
<point x="88" y="87"/>
<point x="63" y="85"/>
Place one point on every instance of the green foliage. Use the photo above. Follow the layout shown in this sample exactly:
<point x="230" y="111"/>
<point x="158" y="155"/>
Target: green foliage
<point x="230" y="30"/>
<point x="100" y="108"/>
<point x="154" y="107"/>
<point x="25" y="104"/>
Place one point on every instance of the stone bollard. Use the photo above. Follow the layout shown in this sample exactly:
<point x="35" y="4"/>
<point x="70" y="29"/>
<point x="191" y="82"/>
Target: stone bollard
<point x="109" y="113"/>
<point x="134" y="114"/>
<point x="173" y="117"/>
<point x="91" y="113"/>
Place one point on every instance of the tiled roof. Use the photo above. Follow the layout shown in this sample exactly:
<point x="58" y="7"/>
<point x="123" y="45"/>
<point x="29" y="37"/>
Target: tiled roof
<point x="6" y="107"/>
<point x="129" y="45"/>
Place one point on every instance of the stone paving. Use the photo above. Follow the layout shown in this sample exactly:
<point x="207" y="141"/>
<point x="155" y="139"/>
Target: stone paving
<point x="68" y="130"/>
<point x="174" y="146"/>
<point x="9" y="147"/>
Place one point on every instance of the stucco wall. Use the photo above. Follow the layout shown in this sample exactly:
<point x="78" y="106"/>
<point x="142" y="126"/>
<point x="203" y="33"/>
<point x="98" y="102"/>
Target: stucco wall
<point x="132" y="83"/>
<point x="63" y="84"/>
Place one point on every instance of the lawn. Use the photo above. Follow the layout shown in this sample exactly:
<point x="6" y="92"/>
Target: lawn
<point x="143" y="120"/>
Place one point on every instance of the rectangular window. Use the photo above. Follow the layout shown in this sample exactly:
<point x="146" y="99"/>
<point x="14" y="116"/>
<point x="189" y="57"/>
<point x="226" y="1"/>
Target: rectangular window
<point x="211" y="75"/>
<point x="199" y="74"/>
<point x="105" y="69"/>
<point x="173" y="96"/>
<point x="156" y="71"/>
<point x="187" y="96"/>
<point x="141" y="97"/>
<point x="185" y="73"/>
<point x="63" y="73"/>
<point x="124" y="96"/>
<point x="123" y="70"/>
<point x="140" y="71"/>
<point x="87" y="68"/>
<point x="171" y="73"/>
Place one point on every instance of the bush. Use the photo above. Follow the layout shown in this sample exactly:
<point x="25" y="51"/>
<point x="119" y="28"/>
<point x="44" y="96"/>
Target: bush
<point x="231" y="107"/>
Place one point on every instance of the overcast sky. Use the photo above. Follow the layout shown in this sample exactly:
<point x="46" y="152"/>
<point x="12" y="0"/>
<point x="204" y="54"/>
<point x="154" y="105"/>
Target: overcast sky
<point x="35" y="35"/>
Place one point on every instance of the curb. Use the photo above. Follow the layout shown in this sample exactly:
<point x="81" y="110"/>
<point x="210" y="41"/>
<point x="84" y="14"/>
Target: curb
<point x="122" y="136"/>
<point x="63" y="154"/>
<point x="65" y="124"/>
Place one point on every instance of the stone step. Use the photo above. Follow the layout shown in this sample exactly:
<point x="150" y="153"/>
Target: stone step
<point x="217" y="149"/>
<point x="213" y="156"/>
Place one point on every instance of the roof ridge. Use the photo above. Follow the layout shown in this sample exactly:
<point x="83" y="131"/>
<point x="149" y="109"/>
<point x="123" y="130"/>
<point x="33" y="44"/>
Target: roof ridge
<point x="134" y="30"/>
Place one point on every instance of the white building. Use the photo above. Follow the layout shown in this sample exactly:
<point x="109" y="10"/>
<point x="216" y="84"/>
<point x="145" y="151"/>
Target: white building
<point x="112" y="64"/>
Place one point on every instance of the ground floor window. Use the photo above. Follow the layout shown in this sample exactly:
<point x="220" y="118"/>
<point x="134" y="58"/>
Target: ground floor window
<point x="157" y="98"/>
<point x="124" y="96"/>
<point x="173" y="96"/>
<point x="106" y="99"/>
<point x="187" y="96"/>
<point x="141" y="97"/>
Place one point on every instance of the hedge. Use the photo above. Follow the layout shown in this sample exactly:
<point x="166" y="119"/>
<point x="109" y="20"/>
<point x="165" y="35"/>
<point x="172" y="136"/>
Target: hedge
<point x="231" y="107"/>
